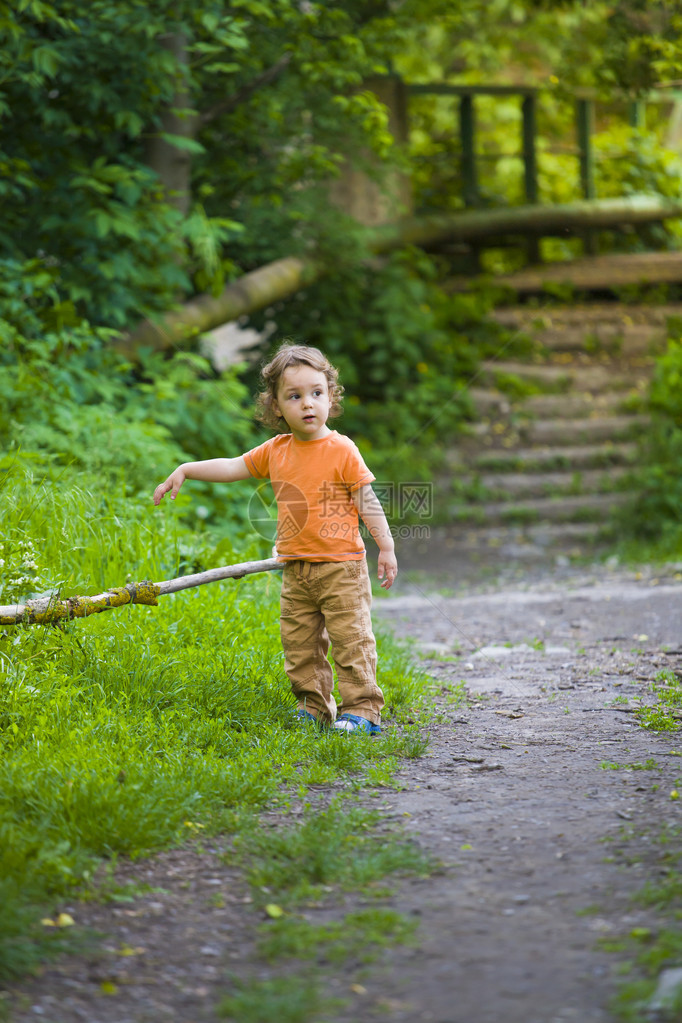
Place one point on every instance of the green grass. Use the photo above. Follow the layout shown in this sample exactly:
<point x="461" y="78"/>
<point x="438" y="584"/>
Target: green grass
<point x="651" y="949"/>
<point x="661" y="551"/>
<point x="336" y="847"/>
<point x="367" y="932"/>
<point x="121" y="732"/>
<point x="648" y="765"/>
<point x="255" y="1001"/>
<point x="665" y="713"/>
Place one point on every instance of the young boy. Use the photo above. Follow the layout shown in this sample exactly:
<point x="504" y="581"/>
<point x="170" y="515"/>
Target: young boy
<point x="321" y="484"/>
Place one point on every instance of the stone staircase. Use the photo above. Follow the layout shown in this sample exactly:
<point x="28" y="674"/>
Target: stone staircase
<point x="550" y="456"/>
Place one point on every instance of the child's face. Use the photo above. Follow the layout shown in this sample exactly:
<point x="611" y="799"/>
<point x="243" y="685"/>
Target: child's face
<point x="303" y="400"/>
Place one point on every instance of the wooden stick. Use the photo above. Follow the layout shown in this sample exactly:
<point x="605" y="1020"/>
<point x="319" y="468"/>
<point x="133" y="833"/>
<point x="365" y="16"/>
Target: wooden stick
<point x="51" y="610"/>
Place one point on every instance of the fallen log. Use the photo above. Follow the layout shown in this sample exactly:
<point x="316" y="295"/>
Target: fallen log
<point x="252" y="292"/>
<point x="52" y="611"/>
<point x="284" y="277"/>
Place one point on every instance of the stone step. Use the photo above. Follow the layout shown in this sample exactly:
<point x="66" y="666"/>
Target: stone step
<point x="552" y="467"/>
<point x="593" y="430"/>
<point x="554" y="406"/>
<point x="544" y="459"/>
<point x="577" y="406"/>
<point x="489" y="402"/>
<point x="627" y="330"/>
<point x="525" y="542"/>
<point x="514" y="485"/>
<point x="606" y="272"/>
<point x="635" y="339"/>
<point x="579" y="508"/>
<point x="564" y="377"/>
<point x="587" y="316"/>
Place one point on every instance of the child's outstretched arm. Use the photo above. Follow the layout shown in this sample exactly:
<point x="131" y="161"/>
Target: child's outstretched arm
<point x="212" y="470"/>
<point x="372" y="514"/>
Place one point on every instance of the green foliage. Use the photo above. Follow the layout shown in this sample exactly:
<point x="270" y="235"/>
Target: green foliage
<point x="556" y="49"/>
<point x="553" y="47"/>
<point x="266" y="102"/>
<point x="655" y="515"/>
<point x="633" y="161"/>
<point x="648" y="765"/>
<point x="478" y="39"/>
<point x="653" y="948"/>
<point x="665" y="714"/>
<point x="86" y="90"/>
<point x="122" y="732"/>
<point x="73" y="191"/>
<point x="627" y="160"/>
<point x="334" y="847"/>
<point x="331" y="847"/>
<point x="641" y="45"/>
<point x="69" y="402"/>
<point x="112" y="109"/>
<point x="367" y="932"/>
<point x="276" y="998"/>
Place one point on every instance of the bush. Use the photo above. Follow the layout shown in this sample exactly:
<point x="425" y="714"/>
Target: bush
<point x="69" y="402"/>
<point x="656" y="512"/>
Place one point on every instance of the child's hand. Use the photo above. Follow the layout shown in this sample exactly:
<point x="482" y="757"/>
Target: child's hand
<point x="388" y="566"/>
<point x="173" y="483"/>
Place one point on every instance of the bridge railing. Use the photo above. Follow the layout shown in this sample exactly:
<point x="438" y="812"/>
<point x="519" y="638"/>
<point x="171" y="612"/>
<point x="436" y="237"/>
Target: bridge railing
<point x="585" y="102"/>
<point x="582" y="147"/>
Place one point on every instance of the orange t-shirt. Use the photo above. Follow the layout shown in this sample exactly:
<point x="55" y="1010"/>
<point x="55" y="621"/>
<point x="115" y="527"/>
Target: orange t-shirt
<point x="313" y="481"/>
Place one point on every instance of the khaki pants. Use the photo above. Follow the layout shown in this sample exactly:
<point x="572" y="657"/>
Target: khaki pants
<point x="323" y="601"/>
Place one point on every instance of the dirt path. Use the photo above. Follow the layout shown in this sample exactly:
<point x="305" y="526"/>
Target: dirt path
<point x="511" y="798"/>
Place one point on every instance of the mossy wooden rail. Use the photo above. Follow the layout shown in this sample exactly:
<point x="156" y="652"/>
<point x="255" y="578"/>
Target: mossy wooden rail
<point x="278" y="280"/>
<point x="52" y="611"/>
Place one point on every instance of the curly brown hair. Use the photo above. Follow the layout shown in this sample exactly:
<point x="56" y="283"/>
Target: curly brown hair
<point x="271" y="374"/>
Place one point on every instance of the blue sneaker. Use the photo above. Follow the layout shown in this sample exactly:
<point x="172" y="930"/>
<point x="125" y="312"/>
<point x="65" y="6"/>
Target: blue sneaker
<point x="350" y="723"/>
<point x="307" y="718"/>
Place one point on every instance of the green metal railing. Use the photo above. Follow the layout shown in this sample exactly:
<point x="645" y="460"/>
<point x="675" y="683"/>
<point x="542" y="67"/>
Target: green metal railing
<point x="584" y="121"/>
<point x="530" y="98"/>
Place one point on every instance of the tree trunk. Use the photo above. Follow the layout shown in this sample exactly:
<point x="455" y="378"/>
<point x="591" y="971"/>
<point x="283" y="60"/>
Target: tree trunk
<point x="252" y="292"/>
<point x="173" y="163"/>
<point x="278" y="280"/>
